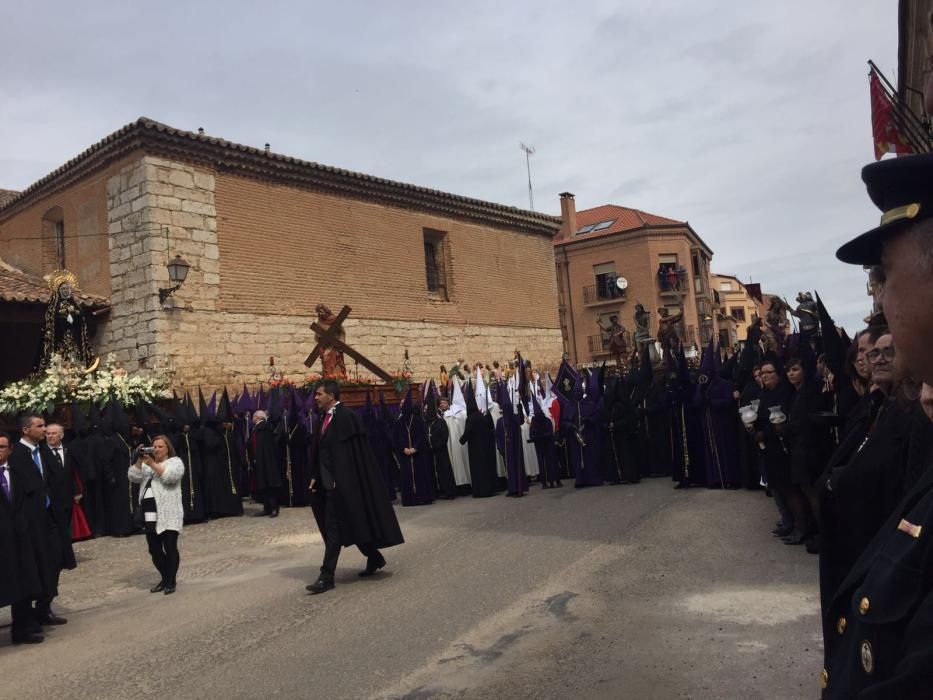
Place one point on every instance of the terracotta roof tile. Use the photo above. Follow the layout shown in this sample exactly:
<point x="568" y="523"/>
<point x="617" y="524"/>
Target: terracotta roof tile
<point x="623" y="218"/>
<point x="19" y="286"/>
<point x="158" y="139"/>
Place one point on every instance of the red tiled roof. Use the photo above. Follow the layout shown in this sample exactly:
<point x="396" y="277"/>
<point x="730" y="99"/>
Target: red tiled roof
<point x="154" y="138"/>
<point x="624" y="219"/>
<point x="19" y="286"/>
<point x="7" y="196"/>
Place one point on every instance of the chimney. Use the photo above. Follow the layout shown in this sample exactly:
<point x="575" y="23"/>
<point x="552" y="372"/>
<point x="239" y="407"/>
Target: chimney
<point x="568" y="212"/>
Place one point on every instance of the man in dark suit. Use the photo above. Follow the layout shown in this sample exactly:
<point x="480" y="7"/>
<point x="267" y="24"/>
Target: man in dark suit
<point x="19" y="568"/>
<point x="32" y="458"/>
<point x="879" y="642"/>
<point x="349" y="497"/>
<point x="62" y="486"/>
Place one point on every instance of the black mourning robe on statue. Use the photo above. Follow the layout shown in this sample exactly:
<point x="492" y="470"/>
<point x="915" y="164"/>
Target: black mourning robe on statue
<point x="345" y="472"/>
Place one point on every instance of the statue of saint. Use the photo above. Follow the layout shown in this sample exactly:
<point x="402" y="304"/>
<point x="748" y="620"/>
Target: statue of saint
<point x="331" y="357"/>
<point x="667" y="329"/>
<point x="66" y="331"/>
<point x="616" y="331"/>
<point x="807" y="312"/>
<point x="776" y="324"/>
<point x="642" y="325"/>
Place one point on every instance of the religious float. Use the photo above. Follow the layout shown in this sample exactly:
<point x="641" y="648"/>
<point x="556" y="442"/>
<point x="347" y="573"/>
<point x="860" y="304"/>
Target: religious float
<point x="67" y="373"/>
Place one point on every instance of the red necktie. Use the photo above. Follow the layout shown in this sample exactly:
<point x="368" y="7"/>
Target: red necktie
<point x="326" y="422"/>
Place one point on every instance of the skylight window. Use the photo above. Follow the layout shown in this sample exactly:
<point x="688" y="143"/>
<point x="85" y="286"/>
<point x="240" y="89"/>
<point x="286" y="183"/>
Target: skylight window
<point x="586" y="229"/>
<point x="603" y="224"/>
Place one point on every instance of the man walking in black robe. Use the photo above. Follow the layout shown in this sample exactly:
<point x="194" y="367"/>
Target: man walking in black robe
<point x="345" y="480"/>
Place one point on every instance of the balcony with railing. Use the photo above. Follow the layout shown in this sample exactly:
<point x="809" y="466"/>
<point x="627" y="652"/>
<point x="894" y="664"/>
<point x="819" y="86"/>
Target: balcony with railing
<point x="599" y="344"/>
<point x="602" y="293"/>
<point x="672" y="282"/>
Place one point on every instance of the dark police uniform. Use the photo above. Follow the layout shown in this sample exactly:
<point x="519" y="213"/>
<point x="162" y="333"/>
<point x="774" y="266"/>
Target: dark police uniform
<point x="881" y="617"/>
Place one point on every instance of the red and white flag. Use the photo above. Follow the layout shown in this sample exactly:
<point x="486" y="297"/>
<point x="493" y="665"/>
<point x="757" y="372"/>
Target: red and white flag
<point x="887" y="137"/>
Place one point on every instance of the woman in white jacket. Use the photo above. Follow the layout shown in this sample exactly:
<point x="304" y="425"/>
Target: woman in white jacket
<point x="161" y="505"/>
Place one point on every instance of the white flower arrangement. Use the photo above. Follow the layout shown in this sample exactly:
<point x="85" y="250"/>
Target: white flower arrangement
<point x="62" y="383"/>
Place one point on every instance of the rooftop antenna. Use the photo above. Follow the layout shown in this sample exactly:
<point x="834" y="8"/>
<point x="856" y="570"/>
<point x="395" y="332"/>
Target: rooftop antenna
<point x="529" y="151"/>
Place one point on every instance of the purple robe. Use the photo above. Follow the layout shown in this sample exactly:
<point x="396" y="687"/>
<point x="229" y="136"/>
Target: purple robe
<point x="719" y="415"/>
<point x="509" y="443"/>
<point x="415" y="474"/>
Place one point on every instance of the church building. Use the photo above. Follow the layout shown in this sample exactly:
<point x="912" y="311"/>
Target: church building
<point x="204" y="258"/>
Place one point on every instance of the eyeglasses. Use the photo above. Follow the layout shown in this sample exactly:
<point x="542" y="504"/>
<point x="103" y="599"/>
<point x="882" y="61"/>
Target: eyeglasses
<point x="767" y="371"/>
<point x="887" y="353"/>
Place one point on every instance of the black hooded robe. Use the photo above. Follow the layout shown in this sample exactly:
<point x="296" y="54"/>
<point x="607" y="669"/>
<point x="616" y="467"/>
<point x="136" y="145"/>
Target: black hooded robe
<point x="480" y="438"/>
<point x="192" y="483"/>
<point x="438" y="436"/>
<point x="222" y="471"/>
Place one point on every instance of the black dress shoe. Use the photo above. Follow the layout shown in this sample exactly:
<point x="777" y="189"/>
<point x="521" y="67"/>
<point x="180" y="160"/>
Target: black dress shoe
<point x="795" y="539"/>
<point x="168" y="590"/>
<point x="52" y="619"/>
<point x="158" y="588"/>
<point x="27" y="638"/>
<point x="782" y="531"/>
<point x="373" y="565"/>
<point x="322" y="585"/>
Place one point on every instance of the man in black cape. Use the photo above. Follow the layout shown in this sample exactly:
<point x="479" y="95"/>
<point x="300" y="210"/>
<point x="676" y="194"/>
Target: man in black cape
<point x="480" y="437"/>
<point x="348" y="494"/>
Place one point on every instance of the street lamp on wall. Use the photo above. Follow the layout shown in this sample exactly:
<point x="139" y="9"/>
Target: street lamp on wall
<point x="177" y="272"/>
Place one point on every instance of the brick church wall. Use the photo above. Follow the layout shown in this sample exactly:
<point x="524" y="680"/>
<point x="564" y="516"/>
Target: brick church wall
<point x="262" y="256"/>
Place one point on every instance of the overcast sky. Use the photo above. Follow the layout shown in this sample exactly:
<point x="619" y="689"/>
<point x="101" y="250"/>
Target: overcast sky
<point x="750" y="120"/>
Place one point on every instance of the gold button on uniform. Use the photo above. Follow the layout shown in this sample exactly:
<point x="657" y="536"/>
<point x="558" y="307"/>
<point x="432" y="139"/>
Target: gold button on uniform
<point x="863" y="606"/>
<point x="841" y="625"/>
<point x="824" y="679"/>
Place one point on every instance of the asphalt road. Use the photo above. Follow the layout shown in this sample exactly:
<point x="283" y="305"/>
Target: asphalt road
<point x="613" y="592"/>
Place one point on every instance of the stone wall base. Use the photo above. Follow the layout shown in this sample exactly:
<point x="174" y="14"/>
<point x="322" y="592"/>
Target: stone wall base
<point x="214" y="349"/>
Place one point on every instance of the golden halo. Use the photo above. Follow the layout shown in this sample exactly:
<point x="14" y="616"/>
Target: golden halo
<point x="57" y="278"/>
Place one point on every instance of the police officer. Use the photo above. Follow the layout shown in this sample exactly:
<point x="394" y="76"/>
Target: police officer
<point x="880" y="643"/>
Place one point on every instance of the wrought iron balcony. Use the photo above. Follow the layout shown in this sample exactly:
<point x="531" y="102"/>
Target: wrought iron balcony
<point x="598" y="344"/>
<point x="673" y="285"/>
<point x="599" y="294"/>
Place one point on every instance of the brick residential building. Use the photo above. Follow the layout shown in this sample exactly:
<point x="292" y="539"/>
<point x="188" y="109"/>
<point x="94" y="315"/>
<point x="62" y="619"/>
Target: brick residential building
<point x="664" y="261"/>
<point x="267" y="238"/>
<point x="737" y="309"/>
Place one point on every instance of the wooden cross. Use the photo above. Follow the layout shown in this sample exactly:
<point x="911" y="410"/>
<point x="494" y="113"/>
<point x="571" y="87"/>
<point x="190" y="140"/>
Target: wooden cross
<point x="328" y="338"/>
